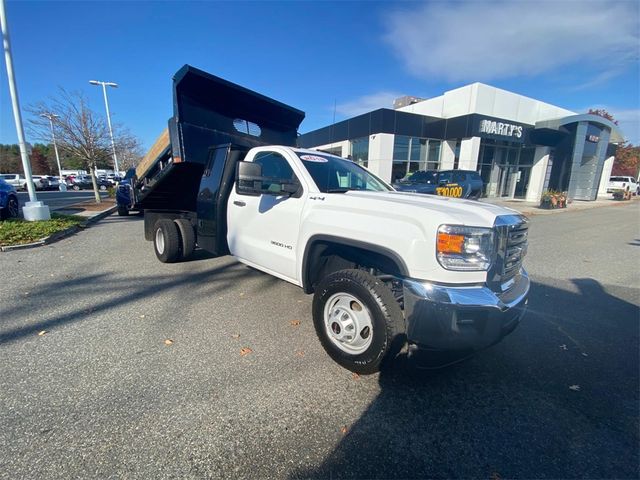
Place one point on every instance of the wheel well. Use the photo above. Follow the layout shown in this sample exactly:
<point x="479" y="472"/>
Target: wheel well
<point x="323" y="257"/>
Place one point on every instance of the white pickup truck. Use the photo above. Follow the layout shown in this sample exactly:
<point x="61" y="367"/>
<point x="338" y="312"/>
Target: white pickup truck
<point x="385" y="267"/>
<point x="624" y="183"/>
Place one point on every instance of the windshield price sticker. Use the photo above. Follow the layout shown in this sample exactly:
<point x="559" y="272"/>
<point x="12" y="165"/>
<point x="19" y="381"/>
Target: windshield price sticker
<point x="452" y="190"/>
<point x="313" y="158"/>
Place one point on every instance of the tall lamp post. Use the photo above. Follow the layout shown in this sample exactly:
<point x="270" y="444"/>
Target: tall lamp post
<point x="51" y="116"/>
<point x="106" y="105"/>
<point x="33" y="209"/>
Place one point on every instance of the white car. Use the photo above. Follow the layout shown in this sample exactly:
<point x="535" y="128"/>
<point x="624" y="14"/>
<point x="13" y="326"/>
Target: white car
<point x="628" y="184"/>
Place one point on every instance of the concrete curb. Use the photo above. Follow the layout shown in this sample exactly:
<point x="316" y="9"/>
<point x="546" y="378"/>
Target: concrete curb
<point x="63" y="234"/>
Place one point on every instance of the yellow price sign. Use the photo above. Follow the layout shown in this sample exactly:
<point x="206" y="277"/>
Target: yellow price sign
<point x="450" y="190"/>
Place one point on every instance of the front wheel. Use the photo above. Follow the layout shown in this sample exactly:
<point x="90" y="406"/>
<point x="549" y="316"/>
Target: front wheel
<point x="123" y="211"/>
<point x="358" y="321"/>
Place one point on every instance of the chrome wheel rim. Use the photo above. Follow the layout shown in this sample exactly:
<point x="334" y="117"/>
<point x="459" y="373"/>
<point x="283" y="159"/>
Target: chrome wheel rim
<point x="159" y="241"/>
<point x="348" y="324"/>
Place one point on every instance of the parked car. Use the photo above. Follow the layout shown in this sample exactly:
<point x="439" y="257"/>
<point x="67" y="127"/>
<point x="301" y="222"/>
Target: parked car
<point x="54" y="182"/>
<point x="16" y="180"/>
<point x="624" y="183"/>
<point x="40" y="182"/>
<point x="447" y="183"/>
<point x="8" y="201"/>
<point x="83" y="182"/>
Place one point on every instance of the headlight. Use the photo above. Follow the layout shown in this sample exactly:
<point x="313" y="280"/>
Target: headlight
<point x="465" y="248"/>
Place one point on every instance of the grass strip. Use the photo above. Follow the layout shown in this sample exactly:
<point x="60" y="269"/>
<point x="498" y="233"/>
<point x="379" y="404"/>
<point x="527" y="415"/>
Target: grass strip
<point x="17" y="231"/>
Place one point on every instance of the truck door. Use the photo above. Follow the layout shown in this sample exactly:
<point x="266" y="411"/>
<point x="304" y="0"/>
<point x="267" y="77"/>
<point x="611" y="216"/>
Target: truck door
<point x="263" y="229"/>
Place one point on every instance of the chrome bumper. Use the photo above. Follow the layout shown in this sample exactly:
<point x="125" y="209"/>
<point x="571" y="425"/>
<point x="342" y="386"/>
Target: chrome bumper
<point x="443" y="317"/>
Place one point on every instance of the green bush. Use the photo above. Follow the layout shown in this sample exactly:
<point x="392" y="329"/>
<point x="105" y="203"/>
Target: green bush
<point x="17" y="231"/>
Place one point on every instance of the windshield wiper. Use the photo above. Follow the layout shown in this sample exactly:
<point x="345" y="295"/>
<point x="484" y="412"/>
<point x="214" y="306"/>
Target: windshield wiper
<point x="338" y="190"/>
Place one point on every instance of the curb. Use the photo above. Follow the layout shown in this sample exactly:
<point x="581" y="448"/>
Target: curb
<point x="63" y="234"/>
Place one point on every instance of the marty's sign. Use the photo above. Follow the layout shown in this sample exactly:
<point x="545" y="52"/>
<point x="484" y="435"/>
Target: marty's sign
<point x="491" y="127"/>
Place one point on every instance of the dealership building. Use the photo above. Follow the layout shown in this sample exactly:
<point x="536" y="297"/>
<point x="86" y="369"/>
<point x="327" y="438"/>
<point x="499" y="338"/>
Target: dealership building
<point x="518" y="145"/>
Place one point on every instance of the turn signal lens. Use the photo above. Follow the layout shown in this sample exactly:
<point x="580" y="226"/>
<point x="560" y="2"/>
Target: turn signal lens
<point x="464" y="248"/>
<point x="449" y="243"/>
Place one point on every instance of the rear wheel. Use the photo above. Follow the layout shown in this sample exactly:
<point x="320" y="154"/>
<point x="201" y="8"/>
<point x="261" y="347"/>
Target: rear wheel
<point x="358" y="320"/>
<point x="123" y="211"/>
<point x="166" y="241"/>
<point x="187" y="237"/>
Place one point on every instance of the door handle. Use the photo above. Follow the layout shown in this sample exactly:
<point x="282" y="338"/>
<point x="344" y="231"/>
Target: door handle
<point x="239" y="203"/>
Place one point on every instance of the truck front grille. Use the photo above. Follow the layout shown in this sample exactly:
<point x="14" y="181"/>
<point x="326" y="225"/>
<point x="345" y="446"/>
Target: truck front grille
<point x="512" y="232"/>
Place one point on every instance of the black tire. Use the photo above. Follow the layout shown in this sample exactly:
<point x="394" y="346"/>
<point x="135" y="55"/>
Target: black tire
<point x="123" y="211"/>
<point x="166" y="241"/>
<point x="388" y="331"/>
<point x="187" y="237"/>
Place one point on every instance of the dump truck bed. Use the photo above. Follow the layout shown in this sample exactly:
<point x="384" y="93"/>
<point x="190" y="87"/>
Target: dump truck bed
<point x="207" y="111"/>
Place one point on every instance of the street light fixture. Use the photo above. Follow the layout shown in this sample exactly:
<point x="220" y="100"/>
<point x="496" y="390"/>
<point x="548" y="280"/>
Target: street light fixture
<point x="51" y="117"/>
<point x="106" y="105"/>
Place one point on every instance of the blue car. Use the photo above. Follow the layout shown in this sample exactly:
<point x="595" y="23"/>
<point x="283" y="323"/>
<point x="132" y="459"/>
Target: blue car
<point x="8" y="201"/>
<point x="447" y="183"/>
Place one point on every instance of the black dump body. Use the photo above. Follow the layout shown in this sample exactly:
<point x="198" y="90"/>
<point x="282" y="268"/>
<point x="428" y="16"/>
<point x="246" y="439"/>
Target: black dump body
<point x="208" y="112"/>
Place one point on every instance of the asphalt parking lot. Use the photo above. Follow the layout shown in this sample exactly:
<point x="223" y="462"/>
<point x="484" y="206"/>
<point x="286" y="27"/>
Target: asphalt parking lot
<point x="139" y="371"/>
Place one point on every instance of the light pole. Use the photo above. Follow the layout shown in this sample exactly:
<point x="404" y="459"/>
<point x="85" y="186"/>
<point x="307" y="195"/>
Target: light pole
<point x="106" y="105"/>
<point x="51" y="116"/>
<point x="32" y="210"/>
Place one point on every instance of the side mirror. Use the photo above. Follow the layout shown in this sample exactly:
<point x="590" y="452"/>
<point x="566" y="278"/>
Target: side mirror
<point x="249" y="181"/>
<point x="249" y="178"/>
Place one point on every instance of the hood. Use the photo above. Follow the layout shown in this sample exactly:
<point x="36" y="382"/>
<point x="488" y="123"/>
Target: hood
<point x="449" y="210"/>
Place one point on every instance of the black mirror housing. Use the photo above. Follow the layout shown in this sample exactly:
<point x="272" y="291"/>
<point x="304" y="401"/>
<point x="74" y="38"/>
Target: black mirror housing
<point x="248" y="178"/>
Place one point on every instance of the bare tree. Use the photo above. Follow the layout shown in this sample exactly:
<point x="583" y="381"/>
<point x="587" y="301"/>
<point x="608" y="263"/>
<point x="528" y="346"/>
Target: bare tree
<point x="80" y="131"/>
<point x="128" y="148"/>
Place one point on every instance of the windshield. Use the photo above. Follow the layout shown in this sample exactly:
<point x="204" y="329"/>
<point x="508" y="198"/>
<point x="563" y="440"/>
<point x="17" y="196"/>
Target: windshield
<point x="423" y="177"/>
<point x="335" y="174"/>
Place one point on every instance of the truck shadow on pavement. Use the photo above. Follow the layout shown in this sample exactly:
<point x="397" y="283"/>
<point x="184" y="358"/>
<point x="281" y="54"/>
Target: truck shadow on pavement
<point x="123" y="291"/>
<point x="556" y="399"/>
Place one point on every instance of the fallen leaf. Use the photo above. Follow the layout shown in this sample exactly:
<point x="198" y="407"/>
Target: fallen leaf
<point x="242" y="294"/>
<point x="236" y="336"/>
<point x="575" y="388"/>
<point x="584" y="354"/>
<point x="563" y="347"/>
<point x="355" y="376"/>
<point x="141" y="316"/>
<point x="299" y="301"/>
<point x="26" y="293"/>
<point x="41" y="333"/>
<point x="245" y="351"/>
<point x="294" y="323"/>
<point x="343" y="429"/>
<point x="300" y="353"/>
<point x="168" y="341"/>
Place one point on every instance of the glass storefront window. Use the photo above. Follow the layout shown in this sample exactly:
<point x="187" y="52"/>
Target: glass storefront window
<point x="334" y="151"/>
<point x="412" y="154"/>
<point x="360" y="150"/>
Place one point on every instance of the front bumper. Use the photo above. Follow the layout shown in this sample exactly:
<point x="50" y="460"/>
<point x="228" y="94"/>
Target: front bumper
<point x="448" y="318"/>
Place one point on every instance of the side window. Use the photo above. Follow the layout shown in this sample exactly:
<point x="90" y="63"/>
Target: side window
<point x="274" y="166"/>
<point x="459" y="177"/>
<point x="444" y="177"/>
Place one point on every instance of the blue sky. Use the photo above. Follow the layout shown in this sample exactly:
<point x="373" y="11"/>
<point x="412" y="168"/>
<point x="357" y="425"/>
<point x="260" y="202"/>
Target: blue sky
<point x="313" y="55"/>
